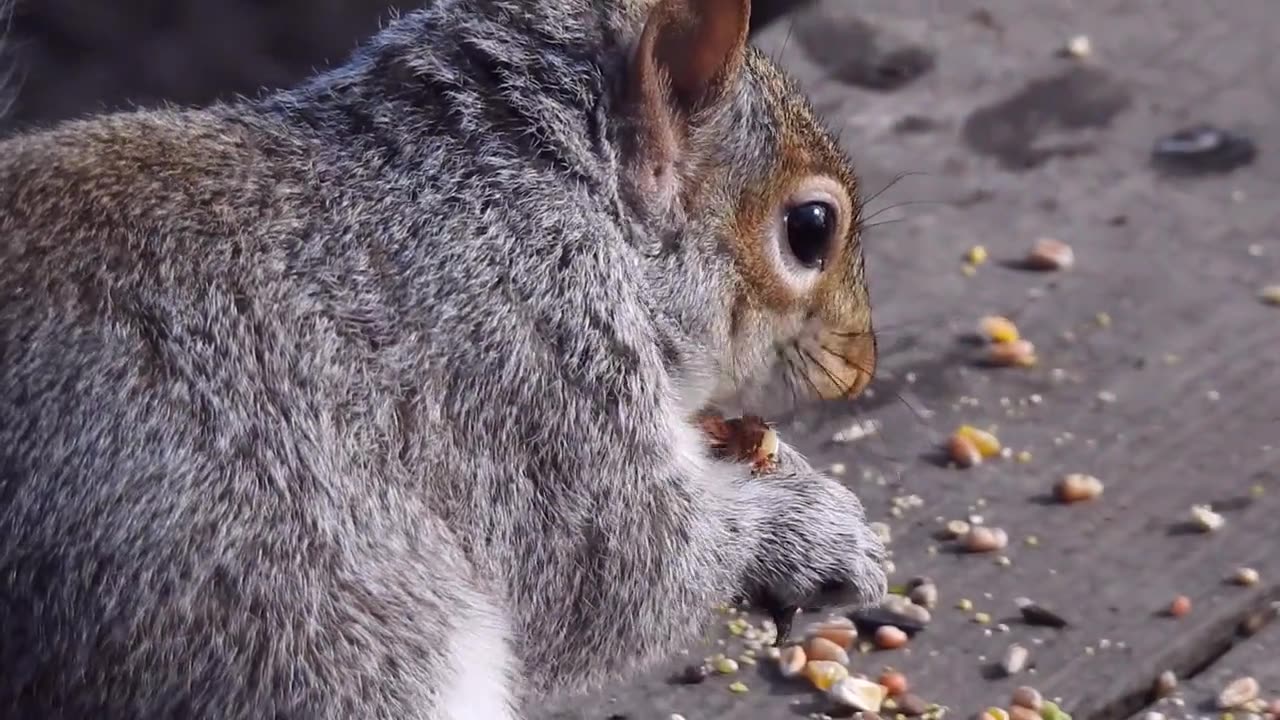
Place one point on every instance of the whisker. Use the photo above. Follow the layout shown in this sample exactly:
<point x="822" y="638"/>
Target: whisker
<point x="897" y="395"/>
<point x="896" y="179"/>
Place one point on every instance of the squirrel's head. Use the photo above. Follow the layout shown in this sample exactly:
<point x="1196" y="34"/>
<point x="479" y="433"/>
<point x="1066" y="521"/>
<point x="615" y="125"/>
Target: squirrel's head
<point x="754" y="204"/>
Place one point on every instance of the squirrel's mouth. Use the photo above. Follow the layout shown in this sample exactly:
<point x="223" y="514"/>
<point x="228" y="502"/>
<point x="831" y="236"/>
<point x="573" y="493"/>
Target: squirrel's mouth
<point x="831" y="364"/>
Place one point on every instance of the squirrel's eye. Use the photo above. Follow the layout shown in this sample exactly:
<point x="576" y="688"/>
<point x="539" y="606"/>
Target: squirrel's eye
<point x="810" y="231"/>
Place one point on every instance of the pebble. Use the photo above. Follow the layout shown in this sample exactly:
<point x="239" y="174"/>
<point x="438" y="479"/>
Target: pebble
<point x="1238" y="692"/>
<point x="924" y="594"/>
<point x="1078" y="487"/>
<point x="1027" y="697"/>
<point x="912" y="705"/>
<point x="857" y="694"/>
<point x="820" y="648"/>
<point x="1205" y="518"/>
<point x="889" y="637"/>
<point x="1050" y="254"/>
<point x="824" y="673"/>
<point x="1015" y="659"/>
<point x="1202" y="149"/>
<point x="1166" y="684"/>
<point x="982" y="539"/>
<point x="791" y="661"/>
<point x="1017" y="712"/>
<point x="894" y="682"/>
<point x="1180" y="606"/>
<point x="1246" y="576"/>
<point x="691" y="675"/>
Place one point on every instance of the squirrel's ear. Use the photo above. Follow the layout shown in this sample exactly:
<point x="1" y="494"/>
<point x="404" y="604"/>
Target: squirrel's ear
<point x="690" y="51"/>
<point x="688" y="55"/>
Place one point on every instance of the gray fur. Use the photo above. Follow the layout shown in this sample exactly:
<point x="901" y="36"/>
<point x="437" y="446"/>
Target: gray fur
<point x="294" y="392"/>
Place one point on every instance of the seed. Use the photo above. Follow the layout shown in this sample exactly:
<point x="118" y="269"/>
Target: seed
<point x="925" y="594"/>
<point x="963" y="452"/>
<point x="889" y="637"/>
<point x="857" y="693"/>
<point x="1205" y="518"/>
<point x="1079" y="47"/>
<point x="1015" y="659"/>
<point x="738" y="687"/>
<point x="768" y="449"/>
<point x="791" y="661"/>
<point x="1078" y="487"/>
<point x="1017" y="712"/>
<point x="964" y="605"/>
<point x="725" y="665"/>
<point x="986" y="443"/>
<point x="820" y="648"/>
<point x="982" y="618"/>
<point x="997" y="329"/>
<point x="1027" y="697"/>
<point x="1050" y="254"/>
<point x="894" y="682"/>
<point x="976" y="255"/>
<point x="824" y="673"/>
<point x="840" y="634"/>
<point x="1273" y="709"/>
<point x="1237" y="693"/>
<point x="1246" y="576"/>
<point x="995" y="713"/>
<point x="1270" y="295"/>
<point x="985" y="539"/>
<point x="1019" y="353"/>
<point x="1180" y="606"/>
<point x="912" y="705"/>
<point x="1153" y="715"/>
<point x="957" y="529"/>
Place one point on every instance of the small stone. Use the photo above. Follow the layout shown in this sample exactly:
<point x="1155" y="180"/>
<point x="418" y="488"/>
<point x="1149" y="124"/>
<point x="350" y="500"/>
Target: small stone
<point x="1050" y="254"/>
<point x="912" y="705"/>
<point x="1204" y="149"/>
<point x="791" y="661"/>
<point x="982" y="539"/>
<point x="925" y="594"/>
<point x="1166" y="684"/>
<point x="1036" y="614"/>
<point x="1027" y="697"/>
<point x="857" y="694"/>
<point x="820" y="648"/>
<point x="1238" y="692"/>
<point x="824" y="673"/>
<point x="725" y="665"/>
<point x="1017" y="712"/>
<point x="691" y="675"/>
<point x="1205" y="518"/>
<point x="1014" y="660"/>
<point x="1078" y="487"/>
<point x="1246" y="576"/>
<point x="889" y="637"/>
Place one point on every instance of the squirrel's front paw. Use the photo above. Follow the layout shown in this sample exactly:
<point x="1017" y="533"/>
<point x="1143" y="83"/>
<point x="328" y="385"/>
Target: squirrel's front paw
<point x="817" y="549"/>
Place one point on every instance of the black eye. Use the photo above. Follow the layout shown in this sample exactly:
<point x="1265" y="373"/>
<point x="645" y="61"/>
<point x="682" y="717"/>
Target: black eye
<point x="811" y="228"/>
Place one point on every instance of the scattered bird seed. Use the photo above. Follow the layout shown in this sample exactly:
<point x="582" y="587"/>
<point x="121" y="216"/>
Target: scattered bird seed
<point x="976" y="255"/>
<point x="791" y="661"/>
<point x="725" y="665"/>
<point x="1153" y="715"/>
<point x="738" y="687"/>
<point x="912" y="705"/>
<point x="1078" y="487"/>
<point x="982" y="539"/>
<point x="1270" y="295"/>
<point x="857" y="694"/>
<point x="964" y="604"/>
<point x="1017" y="712"/>
<point x="924" y="594"/>
<point x="1014" y="660"/>
<point x="1166" y="684"/>
<point x="1246" y="576"/>
<point x="840" y="631"/>
<point x="995" y="713"/>
<point x="986" y="443"/>
<point x="857" y="430"/>
<point x="1206" y="519"/>
<point x="996" y="328"/>
<point x="870" y="620"/>
<point x="1078" y="47"/>
<point x="963" y="452"/>
<point x="1050" y="254"/>
<point x="1237" y="693"/>
<point x="1027" y="697"/>
<point x="1180" y="606"/>
<point x="956" y="529"/>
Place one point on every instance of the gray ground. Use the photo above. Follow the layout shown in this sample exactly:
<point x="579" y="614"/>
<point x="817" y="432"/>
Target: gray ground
<point x="968" y="129"/>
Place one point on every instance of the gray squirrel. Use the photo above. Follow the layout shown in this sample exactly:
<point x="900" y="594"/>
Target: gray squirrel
<point x="377" y="397"/>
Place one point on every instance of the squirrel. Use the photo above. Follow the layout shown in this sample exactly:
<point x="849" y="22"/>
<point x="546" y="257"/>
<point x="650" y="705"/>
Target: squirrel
<point x="379" y="396"/>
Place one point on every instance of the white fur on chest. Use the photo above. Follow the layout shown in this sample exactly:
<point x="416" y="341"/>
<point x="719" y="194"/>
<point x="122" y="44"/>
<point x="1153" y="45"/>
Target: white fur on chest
<point x="481" y="656"/>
